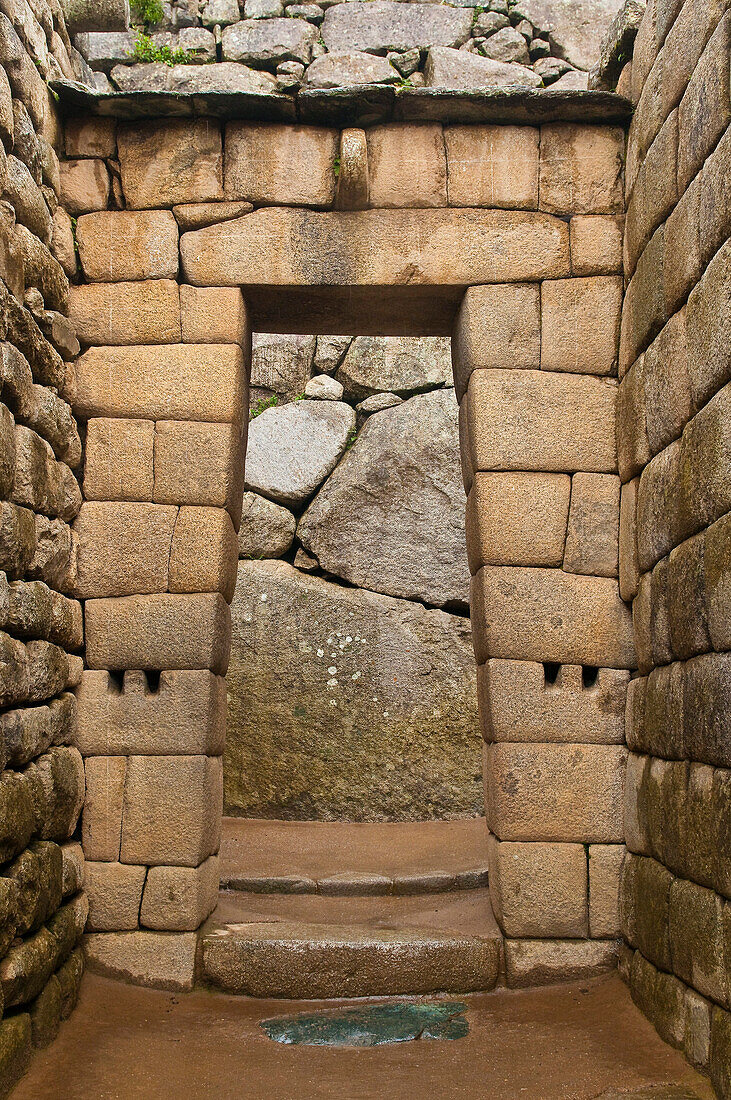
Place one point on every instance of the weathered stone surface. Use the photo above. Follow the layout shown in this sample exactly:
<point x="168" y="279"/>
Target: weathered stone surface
<point x="17" y="823"/>
<point x="225" y="76"/>
<point x="520" y="704"/>
<point x="165" y="960"/>
<point x="492" y="166"/>
<point x="164" y="164"/>
<point x="15" y="1048"/>
<point x="213" y="315"/>
<point x="697" y="939"/>
<point x="199" y="464"/>
<point x="102" y="819"/>
<point x="407" y="166"/>
<point x="543" y="962"/>
<point x="61" y="773"/>
<point x="270" y="41"/>
<point x="267" y="529"/>
<point x="497" y="327"/>
<point x="384" y="25"/>
<point x="292" y="449"/>
<point x="344" y="69"/>
<point x="377" y="248"/>
<point x="581" y="169"/>
<point x="118" y="245"/>
<point x="69" y="978"/>
<point x="394" y="364"/>
<point x="463" y="71"/>
<point x="45" y="1013"/>
<point x="179" y="899"/>
<point x="281" y="363"/>
<point x="72" y="868"/>
<point x="123" y="548"/>
<point x="708" y="328"/>
<point x="517" y="519"/>
<point x="377" y="403"/>
<point x="119" y="457"/>
<point x="197" y="215"/>
<point x="84" y="186"/>
<point x="406" y="744"/>
<point x="539" y="889"/>
<point x="596" y="244"/>
<point x="127" y="313"/>
<point x="550" y="615"/>
<point x="90" y="137"/>
<point x="592" y="538"/>
<point x="576" y="27"/>
<point x="324" y="388"/>
<point x="204" y="553"/>
<point x="184" y="716"/>
<point x="115" y="894"/>
<point x="375" y="539"/>
<point x="605" y="867"/>
<point x="281" y="164"/>
<point x="507" y="44"/>
<point x="580" y="324"/>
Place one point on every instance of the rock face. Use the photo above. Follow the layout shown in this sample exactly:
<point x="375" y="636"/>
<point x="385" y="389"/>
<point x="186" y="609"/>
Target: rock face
<point x="576" y="27"/>
<point x="280" y="363"/>
<point x="462" y="71"/>
<point x="391" y="517"/>
<point x="380" y="25"/>
<point x="267" y="529"/>
<point x="342" y="69"/>
<point x="292" y="449"/>
<point x="346" y="704"/>
<point x="395" y="364"/>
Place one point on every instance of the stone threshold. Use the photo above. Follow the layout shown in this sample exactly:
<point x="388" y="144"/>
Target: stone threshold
<point x="365" y="105"/>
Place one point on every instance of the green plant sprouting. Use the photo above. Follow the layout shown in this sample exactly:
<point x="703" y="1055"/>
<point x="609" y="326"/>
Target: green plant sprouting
<point x="262" y="405"/>
<point x="148" y="12"/>
<point x="146" y="50"/>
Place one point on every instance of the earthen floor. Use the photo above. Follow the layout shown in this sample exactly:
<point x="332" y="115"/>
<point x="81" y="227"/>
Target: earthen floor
<point x="583" y="1041"/>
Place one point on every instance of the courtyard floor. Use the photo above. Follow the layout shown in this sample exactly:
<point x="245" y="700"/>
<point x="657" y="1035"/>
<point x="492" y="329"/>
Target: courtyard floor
<point x="573" y="1042"/>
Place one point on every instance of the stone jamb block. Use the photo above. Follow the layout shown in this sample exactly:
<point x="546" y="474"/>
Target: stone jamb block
<point x="119" y="459"/>
<point x="125" y="245"/>
<point x="204" y="552"/>
<point x="596" y="244"/>
<point x="605" y="869"/>
<point x="101" y="827"/>
<point x="115" y="894"/>
<point x="539" y="889"/>
<point x="199" y="464"/>
<point x="162" y="960"/>
<point x="545" y="961"/>
<point x="126" y="313"/>
<point x="179" y="899"/>
<point x="592" y="538"/>
<point x="214" y="315"/>
<point x="517" y="519"/>
<point x="407" y="165"/>
<point x="580" y="321"/>
<point x="123" y="549"/>
<point x="497" y="328"/>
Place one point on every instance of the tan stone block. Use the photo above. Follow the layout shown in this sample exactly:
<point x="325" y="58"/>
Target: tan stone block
<point x="519" y="701"/>
<point x="538" y="889"/>
<point x="666" y="384"/>
<point x="201" y="382"/>
<point x="179" y="899"/>
<point x="204" y="554"/>
<point x="119" y="456"/>
<point x="655" y="192"/>
<point x="126" y="313"/>
<point x="465" y="460"/>
<point x="84" y="186"/>
<point x="199" y="464"/>
<point x="407" y="165"/>
<point x="592" y="539"/>
<point x="645" y="125"/>
<point x="492" y="166"/>
<point x="123" y="549"/>
<point x="644" y="312"/>
<point x="708" y="329"/>
<point x="544" y="962"/>
<point x="536" y="420"/>
<point x="196" y="215"/>
<point x="629" y="570"/>
<point x="633" y="446"/>
<point x="101" y="827"/>
<point x="377" y="248"/>
<point x="181" y="713"/>
<point x="119" y="245"/>
<point x="164" y="163"/>
<point x="90" y="137"/>
<point x="115" y="894"/>
<point x="555" y="792"/>
<point x="705" y="109"/>
<point x="581" y="169"/>
<point x="172" y="810"/>
<point x="517" y="519"/>
<point x="497" y="327"/>
<point x="549" y="615"/>
<point x="684" y="45"/>
<point x="62" y="242"/>
<point x="580" y="324"/>
<point x="163" y="960"/>
<point x="284" y="165"/>
<point x="683" y="247"/>
<point x="605" y="868"/>
<point x="213" y="315"/>
<point x="596" y="244"/>
<point x="714" y="212"/>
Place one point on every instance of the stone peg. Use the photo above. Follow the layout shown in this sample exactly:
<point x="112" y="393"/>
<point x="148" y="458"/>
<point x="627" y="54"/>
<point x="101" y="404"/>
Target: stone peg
<point x="352" y="185"/>
<point x="96" y="15"/>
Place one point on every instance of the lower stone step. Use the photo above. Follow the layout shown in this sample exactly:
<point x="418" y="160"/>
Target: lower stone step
<point x="307" y="947"/>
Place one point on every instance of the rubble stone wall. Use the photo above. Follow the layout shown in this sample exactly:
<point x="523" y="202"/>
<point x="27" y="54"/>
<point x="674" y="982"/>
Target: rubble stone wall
<point x="673" y="444"/>
<point x="42" y="904"/>
<point x="530" y="219"/>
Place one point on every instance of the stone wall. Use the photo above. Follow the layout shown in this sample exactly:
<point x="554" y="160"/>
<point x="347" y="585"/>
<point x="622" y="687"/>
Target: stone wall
<point x="673" y="429"/>
<point x="42" y="906"/>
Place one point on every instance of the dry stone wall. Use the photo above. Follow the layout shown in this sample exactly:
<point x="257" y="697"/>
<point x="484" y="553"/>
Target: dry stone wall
<point x="672" y="431"/>
<point x="42" y="905"/>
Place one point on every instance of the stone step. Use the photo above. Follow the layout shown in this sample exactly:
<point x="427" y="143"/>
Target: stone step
<point x="339" y="858"/>
<point x="308" y="946"/>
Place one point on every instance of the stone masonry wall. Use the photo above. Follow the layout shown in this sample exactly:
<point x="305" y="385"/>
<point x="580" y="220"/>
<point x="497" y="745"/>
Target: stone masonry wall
<point x="42" y="906"/>
<point x="674" y="419"/>
<point x="531" y="220"/>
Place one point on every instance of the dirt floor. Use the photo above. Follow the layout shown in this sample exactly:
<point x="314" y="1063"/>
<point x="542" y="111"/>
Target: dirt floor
<point x="572" y="1042"/>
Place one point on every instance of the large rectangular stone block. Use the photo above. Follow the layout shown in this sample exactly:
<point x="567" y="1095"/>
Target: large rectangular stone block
<point x="633" y="447"/>
<point x="683" y="248"/>
<point x="568" y="793"/>
<point x="123" y="549"/>
<point x="605" y="867"/>
<point x="535" y="420"/>
<point x="544" y="962"/>
<point x="285" y="165"/>
<point x="115" y="894"/>
<point x="629" y="570"/>
<point x="715" y="199"/>
<point x="118" y="245"/>
<point x="550" y="615"/>
<point x="596" y="244"/>
<point x="660" y="997"/>
<point x="666" y="384"/>
<point x="697" y="939"/>
<point x="581" y="169"/>
<point x="214" y="315"/>
<point x="184" y="713"/>
<point x="705" y="109"/>
<point x="646" y="908"/>
<point x="407" y="166"/>
<point x="592" y="537"/>
<point x="202" y="382"/>
<point x="101" y="826"/>
<point x="708" y="329"/>
<point x="519" y="703"/>
<point x="163" y="960"/>
<point x="580" y="324"/>
<point x="179" y="899"/>
<point x="493" y="166"/>
<point x="126" y="313"/>
<point x="159" y="632"/>
<point x="172" y="810"/>
<point x="655" y="191"/>
<point x="645" y="309"/>
<point x="497" y="327"/>
<point x="377" y="248"/>
<point x="517" y="519"/>
<point x="204" y="552"/>
<point x="119" y="457"/>
<point x="539" y="889"/>
<point x="199" y="464"/>
<point x="169" y="162"/>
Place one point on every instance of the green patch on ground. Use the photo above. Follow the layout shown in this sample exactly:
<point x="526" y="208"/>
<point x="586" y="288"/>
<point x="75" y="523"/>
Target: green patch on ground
<point x="372" y="1026"/>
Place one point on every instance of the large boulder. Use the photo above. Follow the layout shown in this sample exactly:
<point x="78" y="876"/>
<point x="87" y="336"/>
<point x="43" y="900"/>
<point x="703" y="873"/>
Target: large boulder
<point x="345" y="704"/>
<point x="397" y="364"/>
<point x="460" y="70"/>
<point x="293" y="448"/>
<point x="260" y="42"/>
<point x="281" y="363"/>
<point x="267" y="530"/>
<point x="391" y="516"/>
<point x="576" y="28"/>
<point x="378" y="26"/>
<point x="337" y="70"/>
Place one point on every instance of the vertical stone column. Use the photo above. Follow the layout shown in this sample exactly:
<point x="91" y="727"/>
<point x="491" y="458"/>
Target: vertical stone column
<point x="534" y="370"/>
<point x="163" y="389"/>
